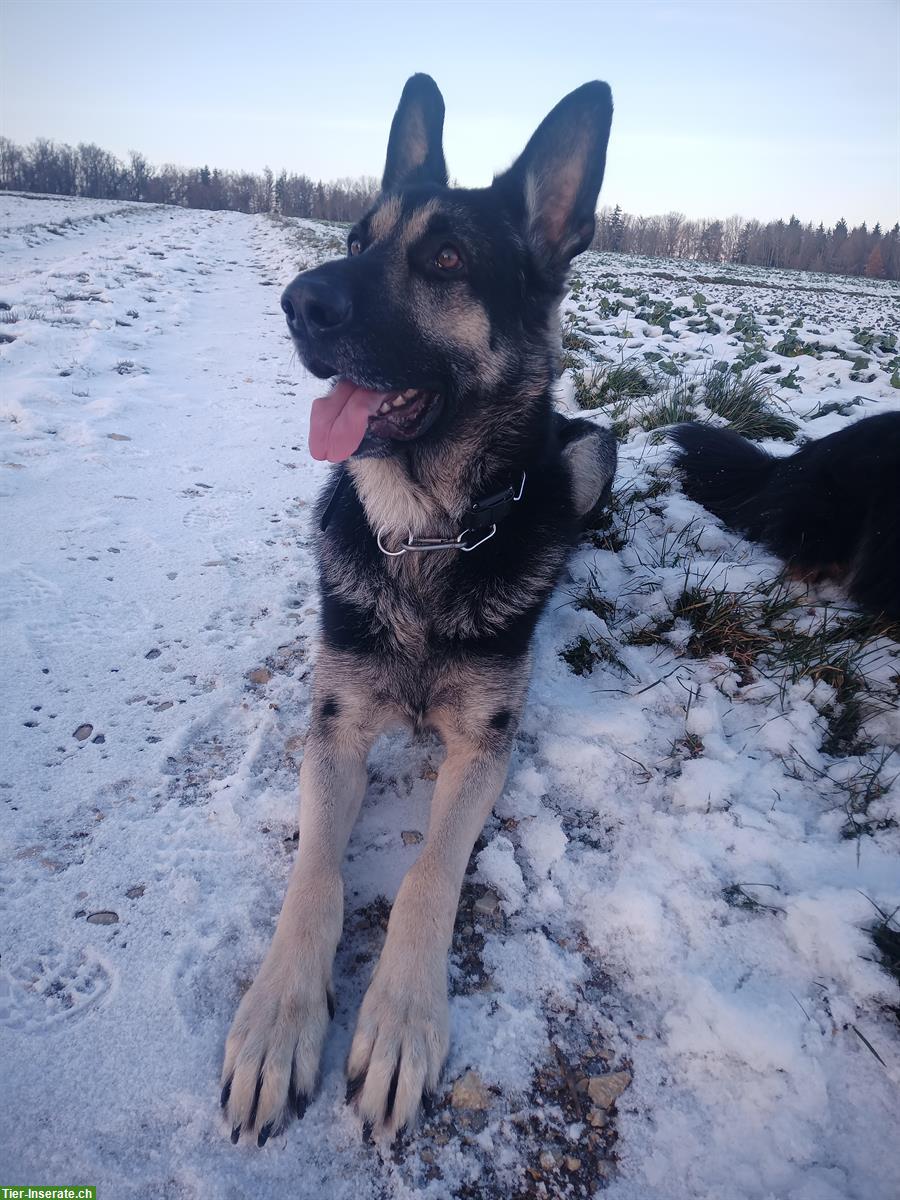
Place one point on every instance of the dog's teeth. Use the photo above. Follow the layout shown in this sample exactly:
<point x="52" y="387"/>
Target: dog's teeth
<point x="386" y="407"/>
<point x="397" y="402"/>
<point x="409" y="393"/>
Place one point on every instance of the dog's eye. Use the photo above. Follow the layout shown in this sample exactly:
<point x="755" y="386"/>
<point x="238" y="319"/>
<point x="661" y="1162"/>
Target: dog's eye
<point x="355" y="246"/>
<point x="448" y="258"/>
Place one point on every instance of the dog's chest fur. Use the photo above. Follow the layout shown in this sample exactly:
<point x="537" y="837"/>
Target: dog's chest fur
<point x="448" y="602"/>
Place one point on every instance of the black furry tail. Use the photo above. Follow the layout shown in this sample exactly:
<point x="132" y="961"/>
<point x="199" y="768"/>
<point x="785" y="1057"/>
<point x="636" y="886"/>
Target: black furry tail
<point x="831" y="509"/>
<point x="726" y="474"/>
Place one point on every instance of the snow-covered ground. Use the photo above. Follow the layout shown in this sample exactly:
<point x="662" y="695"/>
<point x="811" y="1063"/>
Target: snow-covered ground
<point x="666" y="895"/>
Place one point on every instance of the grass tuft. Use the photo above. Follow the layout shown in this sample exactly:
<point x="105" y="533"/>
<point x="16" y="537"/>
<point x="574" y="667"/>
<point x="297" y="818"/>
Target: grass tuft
<point x="585" y="653"/>
<point x="723" y="622"/>
<point x="885" y="933"/>
<point x="745" y="402"/>
<point x="674" y="405"/>
<point x="607" y="385"/>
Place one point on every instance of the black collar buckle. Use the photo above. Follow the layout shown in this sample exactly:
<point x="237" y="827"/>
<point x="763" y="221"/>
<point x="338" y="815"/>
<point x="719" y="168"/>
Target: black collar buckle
<point x="491" y="509"/>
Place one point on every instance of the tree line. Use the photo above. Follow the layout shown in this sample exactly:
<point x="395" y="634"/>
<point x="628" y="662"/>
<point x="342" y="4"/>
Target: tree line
<point x="58" y="169"/>
<point x="87" y="170"/>
<point x="784" y="244"/>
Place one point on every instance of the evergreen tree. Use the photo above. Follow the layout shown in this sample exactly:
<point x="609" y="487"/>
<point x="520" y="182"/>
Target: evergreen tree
<point x="616" y="229"/>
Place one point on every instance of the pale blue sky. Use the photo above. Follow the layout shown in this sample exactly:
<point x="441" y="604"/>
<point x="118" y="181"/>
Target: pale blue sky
<point x="752" y="107"/>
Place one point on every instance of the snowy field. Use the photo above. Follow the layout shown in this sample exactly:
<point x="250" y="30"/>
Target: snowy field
<point x="667" y="981"/>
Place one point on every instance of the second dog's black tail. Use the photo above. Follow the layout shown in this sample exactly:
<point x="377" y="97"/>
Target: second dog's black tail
<point x="830" y="509"/>
<point x="727" y="475"/>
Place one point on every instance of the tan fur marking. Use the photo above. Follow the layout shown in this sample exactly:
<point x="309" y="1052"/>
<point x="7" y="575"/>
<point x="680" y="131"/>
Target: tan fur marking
<point x="391" y="499"/>
<point x="385" y="218"/>
<point x="417" y="222"/>
<point x="586" y="469"/>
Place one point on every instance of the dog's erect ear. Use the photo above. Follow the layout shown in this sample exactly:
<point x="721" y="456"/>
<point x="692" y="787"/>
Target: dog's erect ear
<point x="415" y="152"/>
<point x="554" y="184"/>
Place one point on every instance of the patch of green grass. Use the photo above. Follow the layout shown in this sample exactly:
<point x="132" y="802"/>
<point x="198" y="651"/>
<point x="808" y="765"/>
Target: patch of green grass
<point x="650" y="635"/>
<point x="674" y="405"/>
<point x="585" y="653"/>
<point x="659" y="485"/>
<point x="745" y="402"/>
<point x="605" y="385"/>
<point x="870" y="783"/>
<point x="723" y="622"/>
<point x="839" y="650"/>
<point x="573" y="339"/>
<point x="674" y="546"/>
<point x="612" y="528"/>
<point x="885" y="933"/>
<point x="591" y="599"/>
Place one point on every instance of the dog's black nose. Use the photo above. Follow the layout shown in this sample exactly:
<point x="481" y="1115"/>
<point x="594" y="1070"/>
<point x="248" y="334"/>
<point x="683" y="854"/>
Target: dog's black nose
<point x="321" y="306"/>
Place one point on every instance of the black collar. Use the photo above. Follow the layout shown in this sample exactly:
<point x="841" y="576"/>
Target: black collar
<point x="489" y="510"/>
<point x="484" y="513"/>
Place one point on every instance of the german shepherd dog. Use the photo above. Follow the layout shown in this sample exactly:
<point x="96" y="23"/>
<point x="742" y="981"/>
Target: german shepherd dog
<point x="456" y="497"/>
<point x="831" y="510"/>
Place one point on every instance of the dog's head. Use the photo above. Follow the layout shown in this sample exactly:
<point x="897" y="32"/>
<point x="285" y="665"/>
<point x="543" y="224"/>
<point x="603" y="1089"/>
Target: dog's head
<point x="448" y="297"/>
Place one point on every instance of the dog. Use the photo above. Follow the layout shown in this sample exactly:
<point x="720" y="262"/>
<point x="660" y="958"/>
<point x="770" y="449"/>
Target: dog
<point x="831" y="510"/>
<point x="456" y="496"/>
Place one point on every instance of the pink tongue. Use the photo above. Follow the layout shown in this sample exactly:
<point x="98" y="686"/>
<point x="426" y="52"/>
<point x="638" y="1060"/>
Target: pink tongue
<point x="337" y="422"/>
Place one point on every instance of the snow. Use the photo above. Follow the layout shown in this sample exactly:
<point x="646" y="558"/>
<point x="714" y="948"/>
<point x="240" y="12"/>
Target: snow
<point x="158" y="585"/>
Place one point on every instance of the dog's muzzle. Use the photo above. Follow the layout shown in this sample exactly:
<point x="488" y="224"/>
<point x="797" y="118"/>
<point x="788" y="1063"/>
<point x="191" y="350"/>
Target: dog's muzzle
<point x="314" y="307"/>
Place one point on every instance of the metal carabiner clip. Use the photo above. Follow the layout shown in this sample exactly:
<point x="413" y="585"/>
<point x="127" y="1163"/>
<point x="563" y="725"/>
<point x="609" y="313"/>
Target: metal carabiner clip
<point x="487" y="537"/>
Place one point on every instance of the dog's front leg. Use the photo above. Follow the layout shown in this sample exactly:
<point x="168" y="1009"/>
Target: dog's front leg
<point x="401" y="1037"/>
<point x="273" y="1048"/>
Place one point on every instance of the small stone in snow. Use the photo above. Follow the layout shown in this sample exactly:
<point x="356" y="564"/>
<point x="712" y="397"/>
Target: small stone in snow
<point x="596" y="1117"/>
<point x="411" y="837"/>
<point x="118" y="437"/>
<point x="547" y="1161"/>
<point x="135" y="892"/>
<point x="83" y="732"/>
<point x="103" y="918"/>
<point x="260" y="675"/>
<point x="572" y="1164"/>
<point x="487" y="903"/>
<point x="604" y="1090"/>
<point x="470" y="1092"/>
<point x="154" y="653"/>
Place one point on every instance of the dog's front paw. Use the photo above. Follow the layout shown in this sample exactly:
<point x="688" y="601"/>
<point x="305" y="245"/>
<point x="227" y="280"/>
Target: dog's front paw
<point x="400" y="1044"/>
<point x="273" y="1049"/>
